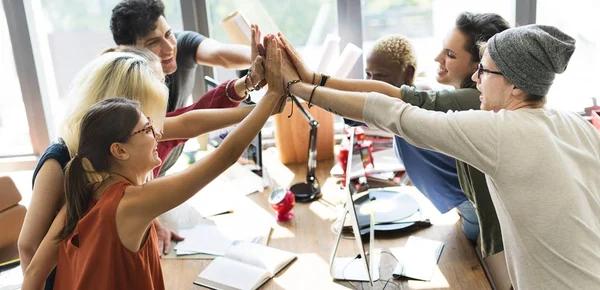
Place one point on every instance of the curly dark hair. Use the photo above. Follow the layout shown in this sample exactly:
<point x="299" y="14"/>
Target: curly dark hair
<point x="132" y="19"/>
<point x="478" y="27"/>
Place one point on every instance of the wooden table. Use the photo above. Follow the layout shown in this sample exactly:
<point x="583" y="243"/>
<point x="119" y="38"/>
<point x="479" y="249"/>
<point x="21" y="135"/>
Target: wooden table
<point x="309" y="235"/>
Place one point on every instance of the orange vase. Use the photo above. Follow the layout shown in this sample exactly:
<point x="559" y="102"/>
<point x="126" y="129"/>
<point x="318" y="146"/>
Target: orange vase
<point x="292" y="134"/>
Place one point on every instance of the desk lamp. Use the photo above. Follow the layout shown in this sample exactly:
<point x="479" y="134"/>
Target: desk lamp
<point x="310" y="189"/>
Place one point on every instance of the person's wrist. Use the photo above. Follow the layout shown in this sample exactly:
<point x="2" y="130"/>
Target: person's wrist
<point x="296" y="88"/>
<point x="318" y="78"/>
<point x="235" y="90"/>
<point x="289" y="84"/>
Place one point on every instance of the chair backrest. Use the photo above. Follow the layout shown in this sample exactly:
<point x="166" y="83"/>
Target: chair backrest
<point x="9" y="194"/>
<point x="12" y="215"/>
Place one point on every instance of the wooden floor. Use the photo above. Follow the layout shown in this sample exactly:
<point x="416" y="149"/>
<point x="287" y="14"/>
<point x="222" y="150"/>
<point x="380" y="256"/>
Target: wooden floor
<point x="309" y="235"/>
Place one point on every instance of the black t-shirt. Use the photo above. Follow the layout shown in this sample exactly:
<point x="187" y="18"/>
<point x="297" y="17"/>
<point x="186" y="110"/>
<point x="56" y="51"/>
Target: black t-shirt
<point x="57" y="151"/>
<point x="181" y="82"/>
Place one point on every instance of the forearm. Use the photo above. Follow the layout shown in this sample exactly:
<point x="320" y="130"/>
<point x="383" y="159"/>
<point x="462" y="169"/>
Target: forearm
<point x="356" y="85"/>
<point x="235" y="56"/>
<point x="443" y="101"/>
<point x="467" y="136"/>
<point x="186" y="183"/>
<point x="34" y="279"/>
<point x="195" y="123"/>
<point x="343" y="103"/>
<point x="240" y="87"/>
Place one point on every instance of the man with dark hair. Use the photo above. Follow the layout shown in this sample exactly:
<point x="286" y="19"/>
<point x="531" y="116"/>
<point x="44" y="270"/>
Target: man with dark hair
<point x="142" y="23"/>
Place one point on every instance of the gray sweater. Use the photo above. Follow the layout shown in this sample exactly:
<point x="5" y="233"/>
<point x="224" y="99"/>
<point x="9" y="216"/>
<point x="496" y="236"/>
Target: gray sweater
<point x="542" y="168"/>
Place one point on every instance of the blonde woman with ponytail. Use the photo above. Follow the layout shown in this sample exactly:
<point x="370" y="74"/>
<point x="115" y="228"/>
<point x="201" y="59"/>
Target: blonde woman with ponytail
<point x="105" y="232"/>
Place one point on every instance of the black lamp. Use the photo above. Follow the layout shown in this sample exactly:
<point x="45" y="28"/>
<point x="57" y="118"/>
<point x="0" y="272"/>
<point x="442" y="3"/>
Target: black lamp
<point x="310" y="189"/>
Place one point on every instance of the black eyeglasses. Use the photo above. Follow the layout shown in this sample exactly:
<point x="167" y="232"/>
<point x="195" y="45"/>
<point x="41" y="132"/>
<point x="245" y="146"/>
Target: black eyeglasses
<point x="481" y="70"/>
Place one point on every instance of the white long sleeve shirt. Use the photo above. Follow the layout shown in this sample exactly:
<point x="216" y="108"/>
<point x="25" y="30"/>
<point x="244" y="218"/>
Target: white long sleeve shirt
<point x="543" y="171"/>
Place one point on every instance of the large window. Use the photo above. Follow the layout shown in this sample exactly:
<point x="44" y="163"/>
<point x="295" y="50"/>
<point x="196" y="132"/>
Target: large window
<point x="574" y="89"/>
<point x="71" y="33"/>
<point x="304" y="23"/>
<point x="14" y="128"/>
<point x="423" y="22"/>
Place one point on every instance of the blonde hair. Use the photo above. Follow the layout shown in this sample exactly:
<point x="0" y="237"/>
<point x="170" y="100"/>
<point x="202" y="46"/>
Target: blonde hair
<point x="396" y="49"/>
<point x="114" y="74"/>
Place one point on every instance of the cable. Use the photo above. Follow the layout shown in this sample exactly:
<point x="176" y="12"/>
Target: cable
<point x="344" y="276"/>
<point x="390" y="253"/>
<point x="388" y="281"/>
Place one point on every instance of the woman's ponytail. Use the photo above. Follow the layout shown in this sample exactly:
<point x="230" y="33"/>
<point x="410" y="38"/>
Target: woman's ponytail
<point x="77" y="195"/>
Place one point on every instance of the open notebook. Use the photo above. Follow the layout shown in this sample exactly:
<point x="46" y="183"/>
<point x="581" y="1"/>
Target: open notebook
<point x="245" y="266"/>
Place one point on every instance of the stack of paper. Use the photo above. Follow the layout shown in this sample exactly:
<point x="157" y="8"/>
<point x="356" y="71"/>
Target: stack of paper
<point x="213" y="237"/>
<point x="203" y="239"/>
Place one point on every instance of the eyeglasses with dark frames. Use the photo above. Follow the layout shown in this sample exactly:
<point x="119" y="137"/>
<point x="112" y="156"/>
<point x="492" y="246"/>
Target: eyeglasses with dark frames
<point x="481" y="70"/>
<point x="147" y="129"/>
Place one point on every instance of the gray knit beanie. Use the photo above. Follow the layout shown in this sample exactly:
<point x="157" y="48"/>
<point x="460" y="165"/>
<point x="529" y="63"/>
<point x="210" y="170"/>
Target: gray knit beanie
<point x="529" y="56"/>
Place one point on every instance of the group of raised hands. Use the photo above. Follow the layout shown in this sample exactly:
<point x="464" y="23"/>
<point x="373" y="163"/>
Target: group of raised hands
<point x="276" y="63"/>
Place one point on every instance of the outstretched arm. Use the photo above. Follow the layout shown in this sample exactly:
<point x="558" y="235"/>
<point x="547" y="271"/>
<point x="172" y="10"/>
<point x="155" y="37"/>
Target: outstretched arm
<point x="470" y="136"/>
<point x="141" y="204"/>
<point x="349" y="85"/>
<point x="214" y="53"/>
<point x="195" y="123"/>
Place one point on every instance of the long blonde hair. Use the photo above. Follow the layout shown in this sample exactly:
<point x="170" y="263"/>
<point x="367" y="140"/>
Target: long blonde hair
<point x="116" y="73"/>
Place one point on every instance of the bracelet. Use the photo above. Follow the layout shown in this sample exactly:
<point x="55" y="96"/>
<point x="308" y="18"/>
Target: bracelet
<point x="248" y="76"/>
<point x="324" y="78"/>
<point x="227" y="92"/>
<point x="254" y="88"/>
<point x="313" y="80"/>
<point x="311" y="96"/>
<point x="287" y="87"/>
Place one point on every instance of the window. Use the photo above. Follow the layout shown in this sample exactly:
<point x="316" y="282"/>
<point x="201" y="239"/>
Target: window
<point x="71" y="33"/>
<point x="574" y="89"/>
<point x="14" y="127"/>
<point x="304" y="23"/>
<point x="423" y="22"/>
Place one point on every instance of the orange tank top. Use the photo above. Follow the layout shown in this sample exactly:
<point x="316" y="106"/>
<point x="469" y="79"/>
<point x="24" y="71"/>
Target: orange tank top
<point x="93" y="257"/>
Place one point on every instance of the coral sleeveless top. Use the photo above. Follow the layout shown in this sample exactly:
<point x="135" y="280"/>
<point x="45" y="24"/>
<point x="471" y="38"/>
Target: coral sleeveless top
<point x="93" y="257"/>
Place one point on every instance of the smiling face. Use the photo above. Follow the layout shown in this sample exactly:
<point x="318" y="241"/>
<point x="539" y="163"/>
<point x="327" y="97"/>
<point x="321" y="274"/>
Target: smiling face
<point x="161" y="42"/>
<point x="381" y="69"/>
<point x="455" y="62"/>
<point x="497" y="92"/>
<point x="142" y="146"/>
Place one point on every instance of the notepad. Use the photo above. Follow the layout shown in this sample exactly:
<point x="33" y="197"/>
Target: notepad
<point x="419" y="259"/>
<point x="245" y="266"/>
